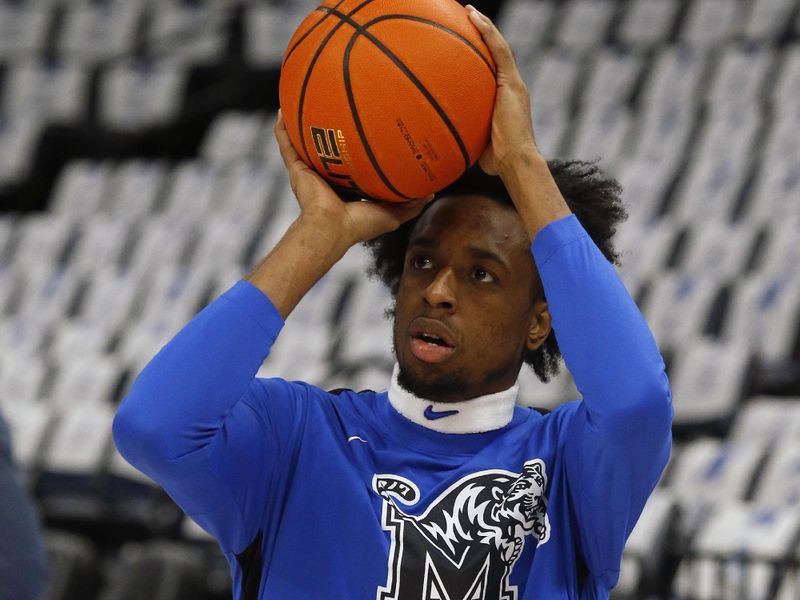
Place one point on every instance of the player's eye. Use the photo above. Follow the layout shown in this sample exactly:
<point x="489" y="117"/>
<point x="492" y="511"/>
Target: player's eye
<point x="483" y="275"/>
<point x="421" y="262"/>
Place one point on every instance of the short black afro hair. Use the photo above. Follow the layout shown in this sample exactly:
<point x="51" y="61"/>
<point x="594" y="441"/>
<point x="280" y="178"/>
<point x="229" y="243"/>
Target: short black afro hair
<point x="593" y="197"/>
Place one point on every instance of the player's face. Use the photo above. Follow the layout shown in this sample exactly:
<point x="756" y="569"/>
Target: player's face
<point x="469" y="303"/>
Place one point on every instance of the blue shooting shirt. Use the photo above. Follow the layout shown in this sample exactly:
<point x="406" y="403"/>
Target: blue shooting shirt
<point x="317" y="495"/>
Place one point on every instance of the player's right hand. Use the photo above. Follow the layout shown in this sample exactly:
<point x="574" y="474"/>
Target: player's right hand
<point x="512" y="126"/>
<point x="355" y="221"/>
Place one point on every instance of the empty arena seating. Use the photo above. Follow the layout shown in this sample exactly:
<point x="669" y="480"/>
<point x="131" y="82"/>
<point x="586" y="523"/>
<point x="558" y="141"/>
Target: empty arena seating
<point x="171" y="187"/>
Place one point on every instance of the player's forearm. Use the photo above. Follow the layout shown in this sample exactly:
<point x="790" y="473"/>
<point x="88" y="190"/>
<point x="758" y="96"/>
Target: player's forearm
<point x="307" y="251"/>
<point x="532" y="188"/>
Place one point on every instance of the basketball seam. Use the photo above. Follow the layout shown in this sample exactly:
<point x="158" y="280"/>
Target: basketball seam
<point x="360" y="30"/>
<point x="308" y="75"/>
<point x="357" y="119"/>
<point x="307" y="33"/>
<point x="437" y="25"/>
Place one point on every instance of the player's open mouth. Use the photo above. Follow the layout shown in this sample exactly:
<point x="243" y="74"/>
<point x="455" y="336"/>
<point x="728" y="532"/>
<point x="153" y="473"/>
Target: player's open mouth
<point x="430" y="341"/>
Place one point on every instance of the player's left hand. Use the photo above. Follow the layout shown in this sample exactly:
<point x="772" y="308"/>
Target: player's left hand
<point x="512" y="127"/>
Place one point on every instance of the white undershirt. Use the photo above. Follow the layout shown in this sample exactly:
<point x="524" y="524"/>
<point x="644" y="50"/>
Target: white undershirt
<point x="476" y="415"/>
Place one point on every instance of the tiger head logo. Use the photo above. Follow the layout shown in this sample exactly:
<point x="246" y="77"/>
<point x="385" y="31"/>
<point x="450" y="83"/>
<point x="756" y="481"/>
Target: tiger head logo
<point x="465" y="544"/>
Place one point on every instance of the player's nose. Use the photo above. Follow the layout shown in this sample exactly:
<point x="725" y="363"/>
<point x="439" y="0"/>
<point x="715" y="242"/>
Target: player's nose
<point x="441" y="292"/>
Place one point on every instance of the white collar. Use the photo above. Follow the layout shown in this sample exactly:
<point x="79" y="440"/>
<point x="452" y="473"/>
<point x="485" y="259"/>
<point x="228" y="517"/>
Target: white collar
<point x="475" y="415"/>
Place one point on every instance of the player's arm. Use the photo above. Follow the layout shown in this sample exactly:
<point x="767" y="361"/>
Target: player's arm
<point x="618" y="440"/>
<point x="326" y="228"/>
<point x="512" y="153"/>
<point x="196" y="420"/>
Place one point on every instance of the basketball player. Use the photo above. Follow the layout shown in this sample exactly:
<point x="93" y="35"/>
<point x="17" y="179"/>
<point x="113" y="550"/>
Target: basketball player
<point x="441" y="487"/>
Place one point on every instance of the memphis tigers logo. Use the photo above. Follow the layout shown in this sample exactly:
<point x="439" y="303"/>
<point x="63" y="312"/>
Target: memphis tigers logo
<point x="465" y="544"/>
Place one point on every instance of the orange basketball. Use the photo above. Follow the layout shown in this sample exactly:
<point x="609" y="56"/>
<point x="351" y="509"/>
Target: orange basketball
<point x="388" y="99"/>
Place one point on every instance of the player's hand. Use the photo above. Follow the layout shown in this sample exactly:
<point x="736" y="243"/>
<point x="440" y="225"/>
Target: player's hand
<point x="512" y="127"/>
<point x="351" y="222"/>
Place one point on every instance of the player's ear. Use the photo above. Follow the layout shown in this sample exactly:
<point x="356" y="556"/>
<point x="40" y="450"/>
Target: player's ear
<point x="538" y="325"/>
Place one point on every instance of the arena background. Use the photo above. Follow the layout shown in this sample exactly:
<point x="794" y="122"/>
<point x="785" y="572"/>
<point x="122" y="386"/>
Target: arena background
<point x="139" y="179"/>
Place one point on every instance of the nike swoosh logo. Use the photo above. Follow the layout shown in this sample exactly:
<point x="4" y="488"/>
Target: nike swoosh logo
<point x="432" y="415"/>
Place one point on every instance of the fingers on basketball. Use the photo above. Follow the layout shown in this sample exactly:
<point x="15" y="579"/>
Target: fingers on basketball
<point x="501" y="51"/>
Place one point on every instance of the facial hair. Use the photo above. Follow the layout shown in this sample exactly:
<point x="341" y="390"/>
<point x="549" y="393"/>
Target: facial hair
<point x="441" y="388"/>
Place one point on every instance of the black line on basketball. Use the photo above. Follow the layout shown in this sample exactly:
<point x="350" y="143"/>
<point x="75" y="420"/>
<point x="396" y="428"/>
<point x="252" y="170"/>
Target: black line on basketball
<point x="472" y="46"/>
<point x="308" y="76"/>
<point x="307" y="33"/>
<point x="422" y="89"/>
<point x="357" y="119"/>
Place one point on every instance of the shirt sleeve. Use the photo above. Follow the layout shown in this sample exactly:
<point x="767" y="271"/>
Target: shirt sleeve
<point x="618" y="440"/>
<point x="200" y="424"/>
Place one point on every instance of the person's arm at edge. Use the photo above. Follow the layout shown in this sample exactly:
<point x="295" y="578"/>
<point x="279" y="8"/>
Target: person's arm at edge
<point x="602" y="334"/>
<point x="178" y="377"/>
<point x="512" y="153"/>
<point x="193" y="388"/>
<point x="325" y="230"/>
<point x="515" y="158"/>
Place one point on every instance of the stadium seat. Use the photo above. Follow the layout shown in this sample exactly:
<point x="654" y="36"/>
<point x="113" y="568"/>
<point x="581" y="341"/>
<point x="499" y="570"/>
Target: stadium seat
<point x="23" y="375"/>
<point x="763" y="312"/>
<point x="159" y="570"/>
<point x="741" y="75"/>
<point x="708" y="473"/>
<point x="551" y="123"/>
<point x="23" y="29"/>
<point x="718" y="250"/>
<point x="768" y="19"/>
<point x="268" y="28"/>
<point x="602" y="135"/>
<point x="81" y="188"/>
<point x="93" y="33"/>
<point x="366" y="333"/>
<point x="30" y="423"/>
<point x="678" y="307"/>
<point x="614" y="75"/>
<point x="184" y="32"/>
<point x="18" y="137"/>
<point x="555" y="78"/>
<point x="779" y="484"/>
<point x="134" y="189"/>
<point x="585" y="23"/>
<point x="645" y="247"/>
<point x="787" y="82"/>
<point x="232" y="137"/>
<point x="73" y="565"/>
<point x="648" y="546"/>
<point x="56" y="90"/>
<point x="525" y="25"/>
<point x="647" y="23"/>
<point x="675" y="78"/>
<point x="135" y="95"/>
<point x="770" y="420"/>
<point x="710" y="23"/>
<point x="719" y="166"/>
<point x="709" y="379"/>
<point x="109" y="299"/>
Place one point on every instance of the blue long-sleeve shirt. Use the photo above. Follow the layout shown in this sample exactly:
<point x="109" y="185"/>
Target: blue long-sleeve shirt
<point x="316" y="495"/>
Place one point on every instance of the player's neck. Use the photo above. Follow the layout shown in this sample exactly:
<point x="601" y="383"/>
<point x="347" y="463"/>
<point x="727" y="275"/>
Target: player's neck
<point x="476" y="415"/>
